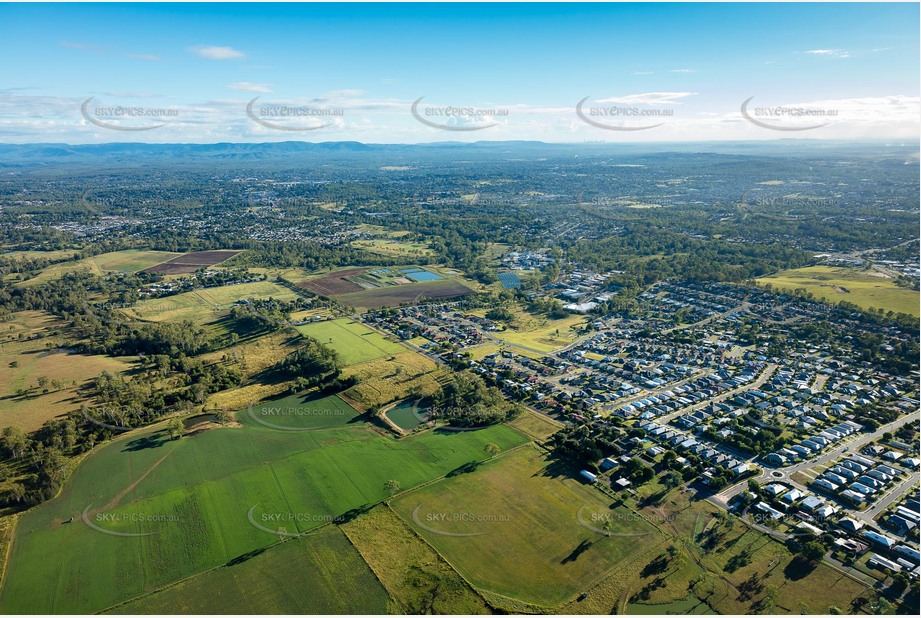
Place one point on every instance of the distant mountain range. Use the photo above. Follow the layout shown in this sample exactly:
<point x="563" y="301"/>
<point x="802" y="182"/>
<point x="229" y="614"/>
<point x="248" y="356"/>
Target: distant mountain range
<point x="133" y="153"/>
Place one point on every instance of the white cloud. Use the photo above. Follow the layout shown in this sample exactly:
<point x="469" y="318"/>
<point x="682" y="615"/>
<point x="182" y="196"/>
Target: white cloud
<point x="250" y="87"/>
<point x="650" y="98"/>
<point x="828" y="53"/>
<point x="683" y="71"/>
<point x="642" y="72"/>
<point x="144" y="56"/>
<point x="212" y="52"/>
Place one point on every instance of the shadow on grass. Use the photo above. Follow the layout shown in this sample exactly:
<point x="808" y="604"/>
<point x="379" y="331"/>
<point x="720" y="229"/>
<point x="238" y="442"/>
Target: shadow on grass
<point x="466" y="468"/>
<point x="152" y="441"/>
<point x="798" y="568"/>
<point x="353" y="513"/>
<point x="578" y="551"/>
<point x="244" y="557"/>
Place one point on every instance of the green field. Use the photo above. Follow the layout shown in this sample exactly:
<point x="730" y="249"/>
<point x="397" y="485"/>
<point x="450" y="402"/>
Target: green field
<point x="847" y="284"/>
<point x="207" y="304"/>
<point x="199" y="502"/>
<point x="315" y="574"/>
<point x="355" y="342"/>
<point x="524" y="540"/>
<point x="393" y="247"/>
<point x="303" y="412"/>
<point x="131" y="260"/>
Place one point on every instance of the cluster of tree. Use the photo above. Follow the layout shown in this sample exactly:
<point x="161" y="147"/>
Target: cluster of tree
<point x="586" y="445"/>
<point x="762" y="440"/>
<point x="466" y="401"/>
<point x="500" y="314"/>
<point x="312" y="364"/>
<point x="646" y="253"/>
<point x="40" y="466"/>
<point x="263" y="314"/>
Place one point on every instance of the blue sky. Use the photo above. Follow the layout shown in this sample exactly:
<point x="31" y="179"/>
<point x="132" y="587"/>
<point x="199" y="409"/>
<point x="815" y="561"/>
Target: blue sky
<point x="668" y="71"/>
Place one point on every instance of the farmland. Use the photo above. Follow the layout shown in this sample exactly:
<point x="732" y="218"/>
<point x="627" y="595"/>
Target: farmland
<point x="195" y="492"/>
<point x="396" y="295"/>
<point x="312" y="571"/>
<point x="131" y="260"/>
<point x="190" y="262"/>
<point x="498" y="501"/>
<point x="355" y="342"/>
<point x="862" y="288"/>
<point x="383" y="380"/>
<point x="333" y="283"/>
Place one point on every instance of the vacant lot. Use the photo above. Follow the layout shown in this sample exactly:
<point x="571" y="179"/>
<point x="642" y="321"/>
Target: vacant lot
<point x="205" y="500"/>
<point x="190" y="262"/>
<point x="847" y="284"/>
<point x="512" y="527"/>
<point x="395" y="295"/>
<point x="355" y="342"/>
<point x="304" y="575"/>
<point x="539" y="333"/>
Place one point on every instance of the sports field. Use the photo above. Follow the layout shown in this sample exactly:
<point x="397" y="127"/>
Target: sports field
<point x="202" y="501"/>
<point x="355" y="342"/>
<point x="863" y="288"/>
<point x="512" y="527"/>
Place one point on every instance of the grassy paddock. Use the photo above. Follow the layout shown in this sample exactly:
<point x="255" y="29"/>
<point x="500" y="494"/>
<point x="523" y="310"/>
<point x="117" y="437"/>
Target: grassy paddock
<point x="355" y="342"/>
<point x="306" y="575"/>
<point x="131" y="260"/>
<point x="847" y="284"/>
<point x="524" y="539"/>
<point x="418" y="579"/>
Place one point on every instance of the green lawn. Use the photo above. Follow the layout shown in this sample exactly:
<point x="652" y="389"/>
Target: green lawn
<point x="316" y="574"/>
<point x="849" y="284"/>
<point x="512" y="527"/>
<point x="205" y="500"/>
<point x="355" y="342"/>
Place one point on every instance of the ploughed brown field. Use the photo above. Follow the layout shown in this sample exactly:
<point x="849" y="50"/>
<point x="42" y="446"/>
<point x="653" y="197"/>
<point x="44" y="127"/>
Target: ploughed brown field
<point x="394" y="295"/>
<point x="334" y="283"/>
<point x="190" y="262"/>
